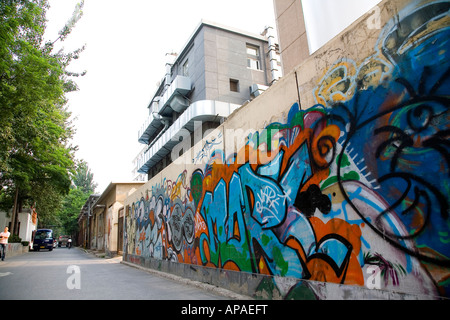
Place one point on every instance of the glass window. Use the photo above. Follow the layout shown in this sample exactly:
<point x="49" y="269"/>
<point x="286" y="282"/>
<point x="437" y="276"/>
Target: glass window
<point x="253" y="61"/>
<point x="251" y="50"/>
<point x="41" y="235"/>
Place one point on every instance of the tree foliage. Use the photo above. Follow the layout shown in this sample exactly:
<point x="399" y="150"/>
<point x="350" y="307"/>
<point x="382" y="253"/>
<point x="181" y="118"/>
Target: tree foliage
<point x="82" y="187"/>
<point x="36" y="157"/>
<point x="83" y="178"/>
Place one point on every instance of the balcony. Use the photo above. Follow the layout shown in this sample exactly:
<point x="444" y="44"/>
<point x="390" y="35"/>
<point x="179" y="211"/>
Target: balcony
<point x="204" y="110"/>
<point x="173" y="99"/>
<point x="149" y="129"/>
<point x="257" y="89"/>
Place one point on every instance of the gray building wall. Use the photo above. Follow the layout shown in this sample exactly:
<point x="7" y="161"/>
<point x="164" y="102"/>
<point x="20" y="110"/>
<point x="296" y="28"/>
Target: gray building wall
<point x="216" y="55"/>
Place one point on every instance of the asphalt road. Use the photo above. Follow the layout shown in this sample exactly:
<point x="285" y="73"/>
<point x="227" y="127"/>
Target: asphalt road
<point x="73" y="274"/>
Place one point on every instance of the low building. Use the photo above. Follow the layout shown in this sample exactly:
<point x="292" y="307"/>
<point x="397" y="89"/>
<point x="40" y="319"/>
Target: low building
<point x="105" y="223"/>
<point x="85" y="222"/>
<point x="27" y="223"/>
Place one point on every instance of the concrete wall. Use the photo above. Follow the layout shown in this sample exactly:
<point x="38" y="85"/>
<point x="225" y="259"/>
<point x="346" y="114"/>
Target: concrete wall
<point x="225" y="59"/>
<point x="106" y="219"/>
<point x="332" y="184"/>
<point x="15" y="249"/>
<point x="215" y="56"/>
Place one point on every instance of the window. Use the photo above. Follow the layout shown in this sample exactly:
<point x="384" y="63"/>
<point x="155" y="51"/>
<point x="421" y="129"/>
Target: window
<point x="234" y="85"/>
<point x="253" y="57"/>
<point x="186" y="68"/>
<point x="43" y="234"/>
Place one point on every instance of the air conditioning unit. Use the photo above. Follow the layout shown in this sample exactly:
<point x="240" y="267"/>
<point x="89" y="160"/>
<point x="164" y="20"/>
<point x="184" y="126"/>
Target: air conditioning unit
<point x="257" y="89"/>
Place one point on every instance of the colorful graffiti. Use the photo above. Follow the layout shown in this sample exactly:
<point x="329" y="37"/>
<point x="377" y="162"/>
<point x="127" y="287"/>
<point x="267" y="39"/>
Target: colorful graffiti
<point x="360" y="179"/>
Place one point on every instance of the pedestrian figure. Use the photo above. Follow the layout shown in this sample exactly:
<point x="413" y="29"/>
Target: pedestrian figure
<point x="69" y="242"/>
<point x="3" y="242"/>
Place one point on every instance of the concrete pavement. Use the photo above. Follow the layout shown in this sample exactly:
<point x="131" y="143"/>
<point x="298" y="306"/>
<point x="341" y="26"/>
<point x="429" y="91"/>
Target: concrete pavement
<point x="75" y="274"/>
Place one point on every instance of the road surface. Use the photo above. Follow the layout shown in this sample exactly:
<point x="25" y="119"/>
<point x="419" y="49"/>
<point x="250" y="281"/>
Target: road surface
<point x="73" y="274"/>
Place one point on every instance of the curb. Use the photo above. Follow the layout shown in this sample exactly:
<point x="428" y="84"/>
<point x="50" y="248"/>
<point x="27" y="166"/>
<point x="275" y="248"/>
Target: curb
<point x="201" y="285"/>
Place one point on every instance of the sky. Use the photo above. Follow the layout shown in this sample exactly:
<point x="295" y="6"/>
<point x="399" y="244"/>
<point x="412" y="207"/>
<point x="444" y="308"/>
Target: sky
<point x="126" y="45"/>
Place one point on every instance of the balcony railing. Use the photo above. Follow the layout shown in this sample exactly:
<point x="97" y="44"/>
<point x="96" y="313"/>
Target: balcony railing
<point x="173" y="99"/>
<point x="204" y="110"/>
<point x="179" y="88"/>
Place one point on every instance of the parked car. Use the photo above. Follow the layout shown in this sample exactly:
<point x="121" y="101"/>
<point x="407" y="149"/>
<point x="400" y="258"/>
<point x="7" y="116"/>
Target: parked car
<point x="43" y="239"/>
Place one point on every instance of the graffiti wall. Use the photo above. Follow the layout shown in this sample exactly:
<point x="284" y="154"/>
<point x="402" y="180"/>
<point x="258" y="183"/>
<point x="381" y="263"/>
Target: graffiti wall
<point x="352" y="190"/>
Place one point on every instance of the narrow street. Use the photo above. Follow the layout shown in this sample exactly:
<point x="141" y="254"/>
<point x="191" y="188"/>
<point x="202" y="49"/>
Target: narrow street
<point x="73" y="274"/>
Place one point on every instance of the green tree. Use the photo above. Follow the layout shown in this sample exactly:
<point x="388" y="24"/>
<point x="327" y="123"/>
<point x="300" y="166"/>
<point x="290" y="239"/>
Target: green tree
<point x="82" y="187"/>
<point x="36" y="157"/>
<point x="83" y="178"/>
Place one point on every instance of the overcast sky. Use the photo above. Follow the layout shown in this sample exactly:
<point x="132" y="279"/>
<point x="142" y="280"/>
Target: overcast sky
<point x="126" y="43"/>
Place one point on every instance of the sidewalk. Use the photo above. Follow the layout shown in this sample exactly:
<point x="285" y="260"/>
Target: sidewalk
<point x="204" y="286"/>
<point x="99" y="254"/>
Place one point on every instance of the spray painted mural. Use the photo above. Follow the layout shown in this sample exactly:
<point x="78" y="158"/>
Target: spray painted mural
<point x="356" y="184"/>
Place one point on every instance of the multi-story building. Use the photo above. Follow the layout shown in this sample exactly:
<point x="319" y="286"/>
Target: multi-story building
<point x="218" y="70"/>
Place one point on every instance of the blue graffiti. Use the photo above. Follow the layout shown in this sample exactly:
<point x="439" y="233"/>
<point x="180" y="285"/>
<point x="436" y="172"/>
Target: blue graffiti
<point x="261" y="206"/>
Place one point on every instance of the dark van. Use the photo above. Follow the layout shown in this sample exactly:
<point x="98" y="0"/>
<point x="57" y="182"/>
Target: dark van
<point x="43" y="239"/>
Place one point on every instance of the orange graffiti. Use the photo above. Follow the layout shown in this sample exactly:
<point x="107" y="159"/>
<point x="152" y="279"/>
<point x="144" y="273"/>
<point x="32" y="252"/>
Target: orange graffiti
<point x="322" y="271"/>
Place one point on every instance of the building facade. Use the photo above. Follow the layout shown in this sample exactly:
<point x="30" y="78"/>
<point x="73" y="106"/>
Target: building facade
<point x="27" y="223"/>
<point x="103" y="231"/>
<point x="218" y="70"/>
<point x="135" y="174"/>
<point x="85" y="222"/>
